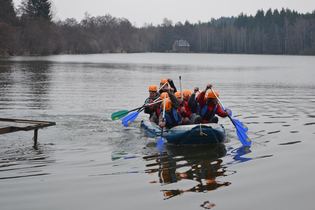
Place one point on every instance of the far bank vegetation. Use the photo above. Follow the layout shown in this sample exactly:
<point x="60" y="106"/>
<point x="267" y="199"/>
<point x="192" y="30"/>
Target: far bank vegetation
<point x="28" y="29"/>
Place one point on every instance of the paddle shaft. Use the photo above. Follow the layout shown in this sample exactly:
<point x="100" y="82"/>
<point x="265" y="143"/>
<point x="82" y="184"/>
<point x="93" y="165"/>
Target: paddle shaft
<point x="222" y="106"/>
<point x="137" y="108"/>
<point x="161" y="142"/>
<point x="217" y="99"/>
<point x="131" y="117"/>
<point x="163" y="119"/>
<point x="154" y="102"/>
<point x="240" y="133"/>
<point x="162" y="86"/>
<point x="180" y="85"/>
<point x="147" y="98"/>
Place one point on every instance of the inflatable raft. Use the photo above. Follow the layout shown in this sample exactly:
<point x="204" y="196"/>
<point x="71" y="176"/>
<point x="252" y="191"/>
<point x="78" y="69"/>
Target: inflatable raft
<point x="209" y="133"/>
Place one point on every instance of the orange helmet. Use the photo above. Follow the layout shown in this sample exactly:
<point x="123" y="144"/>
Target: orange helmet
<point x="153" y="88"/>
<point x="210" y="94"/>
<point x="163" y="81"/>
<point x="186" y="94"/>
<point x="168" y="105"/>
<point x="178" y="94"/>
<point x="162" y="96"/>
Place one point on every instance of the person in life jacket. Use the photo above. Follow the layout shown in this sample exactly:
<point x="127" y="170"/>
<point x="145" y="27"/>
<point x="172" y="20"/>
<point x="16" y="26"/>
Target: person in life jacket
<point x="186" y="110"/>
<point x="192" y="102"/>
<point x="172" y="117"/>
<point x="166" y="87"/>
<point x="151" y="109"/>
<point x="156" y="115"/>
<point x="194" y="107"/>
<point x="209" y="106"/>
<point x="178" y="96"/>
<point x="181" y="108"/>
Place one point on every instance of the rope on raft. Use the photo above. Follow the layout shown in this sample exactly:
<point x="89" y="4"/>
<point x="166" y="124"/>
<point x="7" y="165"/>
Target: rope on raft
<point x="201" y="133"/>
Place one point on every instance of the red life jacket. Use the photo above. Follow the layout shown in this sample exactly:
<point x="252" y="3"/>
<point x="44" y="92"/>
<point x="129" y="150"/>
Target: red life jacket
<point x="187" y="109"/>
<point x="157" y="110"/>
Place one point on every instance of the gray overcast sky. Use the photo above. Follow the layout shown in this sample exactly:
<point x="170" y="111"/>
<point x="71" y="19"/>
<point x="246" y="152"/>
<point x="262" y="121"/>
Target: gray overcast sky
<point x="139" y="12"/>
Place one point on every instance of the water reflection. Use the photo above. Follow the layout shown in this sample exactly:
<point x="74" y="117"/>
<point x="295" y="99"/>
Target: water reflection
<point x="238" y="154"/>
<point x="201" y="164"/>
<point x="5" y="80"/>
<point x="24" y="161"/>
<point x="25" y="83"/>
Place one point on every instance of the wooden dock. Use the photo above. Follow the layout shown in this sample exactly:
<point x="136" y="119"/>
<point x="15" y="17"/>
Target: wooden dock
<point x="33" y="125"/>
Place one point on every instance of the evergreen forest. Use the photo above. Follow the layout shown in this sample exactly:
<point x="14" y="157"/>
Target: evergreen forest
<point x="29" y="29"/>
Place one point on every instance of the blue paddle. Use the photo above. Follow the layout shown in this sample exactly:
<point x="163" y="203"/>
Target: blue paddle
<point x="240" y="125"/>
<point x="240" y="131"/>
<point x="161" y="142"/>
<point x="243" y="137"/>
<point x="131" y="117"/>
<point x="230" y="113"/>
<point x="236" y="122"/>
<point x="123" y="113"/>
<point x="120" y="114"/>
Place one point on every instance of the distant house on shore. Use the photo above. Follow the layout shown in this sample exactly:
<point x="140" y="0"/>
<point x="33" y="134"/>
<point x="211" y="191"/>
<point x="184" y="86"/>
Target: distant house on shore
<point x="181" y="46"/>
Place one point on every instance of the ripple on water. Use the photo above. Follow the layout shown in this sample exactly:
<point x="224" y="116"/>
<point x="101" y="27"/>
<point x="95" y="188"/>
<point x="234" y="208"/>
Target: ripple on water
<point x="289" y="143"/>
<point x="25" y="161"/>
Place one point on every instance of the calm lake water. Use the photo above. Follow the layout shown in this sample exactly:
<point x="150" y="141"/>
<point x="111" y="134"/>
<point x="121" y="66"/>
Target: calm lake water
<point x="88" y="161"/>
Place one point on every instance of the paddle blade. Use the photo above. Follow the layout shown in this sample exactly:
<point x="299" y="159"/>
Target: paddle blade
<point x="243" y="137"/>
<point x="160" y="142"/>
<point x="130" y="118"/>
<point x="240" y="125"/>
<point x="119" y="114"/>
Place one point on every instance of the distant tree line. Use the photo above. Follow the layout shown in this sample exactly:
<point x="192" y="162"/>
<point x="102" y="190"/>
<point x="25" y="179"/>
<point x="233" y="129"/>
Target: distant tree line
<point x="29" y="30"/>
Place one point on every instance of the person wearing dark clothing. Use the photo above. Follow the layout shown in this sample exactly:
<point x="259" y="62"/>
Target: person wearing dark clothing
<point x="171" y="84"/>
<point x="192" y="101"/>
<point x="172" y="115"/>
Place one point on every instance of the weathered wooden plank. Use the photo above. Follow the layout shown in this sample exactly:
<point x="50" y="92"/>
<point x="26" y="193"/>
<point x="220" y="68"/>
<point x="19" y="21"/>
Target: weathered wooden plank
<point x="26" y="121"/>
<point x="38" y="125"/>
<point x="6" y="130"/>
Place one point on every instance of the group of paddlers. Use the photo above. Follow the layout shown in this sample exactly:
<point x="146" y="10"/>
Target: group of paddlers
<point x="182" y="108"/>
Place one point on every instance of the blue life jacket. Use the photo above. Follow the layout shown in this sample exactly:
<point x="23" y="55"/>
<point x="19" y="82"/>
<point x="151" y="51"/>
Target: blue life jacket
<point x="172" y="118"/>
<point x="205" y="112"/>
